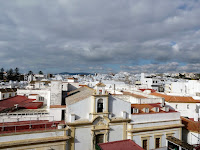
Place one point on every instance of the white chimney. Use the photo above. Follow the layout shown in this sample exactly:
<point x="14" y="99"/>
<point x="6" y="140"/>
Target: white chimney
<point x="16" y="106"/>
<point x="73" y="117"/>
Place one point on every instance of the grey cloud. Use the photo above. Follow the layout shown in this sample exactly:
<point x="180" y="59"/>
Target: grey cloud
<point x="161" y="68"/>
<point x="63" y="35"/>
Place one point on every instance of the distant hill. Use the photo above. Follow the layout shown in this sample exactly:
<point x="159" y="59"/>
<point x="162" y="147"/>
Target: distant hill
<point x="78" y="73"/>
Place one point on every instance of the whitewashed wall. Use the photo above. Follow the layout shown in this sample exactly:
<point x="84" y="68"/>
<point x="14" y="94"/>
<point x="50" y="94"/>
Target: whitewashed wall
<point x="81" y="109"/>
<point x="137" y="137"/>
<point x="117" y="106"/>
<point x="83" y="138"/>
<point x="42" y="93"/>
<point x="116" y="133"/>
<point x="183" y="108"/>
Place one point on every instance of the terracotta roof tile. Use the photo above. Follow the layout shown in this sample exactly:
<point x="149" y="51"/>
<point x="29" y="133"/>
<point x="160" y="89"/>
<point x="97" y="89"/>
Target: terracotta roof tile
<point x="176" y="99"/>
<point x="22" y="101"/>
<point x="120" y="145"/>
<point x="191" y="125"/>
<point x="140" y="107"/>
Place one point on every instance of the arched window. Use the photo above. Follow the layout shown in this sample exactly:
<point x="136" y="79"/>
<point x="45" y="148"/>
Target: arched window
<point x="100" y="105"/>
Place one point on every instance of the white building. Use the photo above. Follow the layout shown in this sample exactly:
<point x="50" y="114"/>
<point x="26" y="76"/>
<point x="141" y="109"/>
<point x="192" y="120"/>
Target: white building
<point x="191" y="131"/>
<point x="96" y="115"/>
<point x="187" y="106"/>
<point x="102" y="117"/>
<point x="151" y="83"/>
<point x="8" y="92"/>
<point x="183" y="88"/>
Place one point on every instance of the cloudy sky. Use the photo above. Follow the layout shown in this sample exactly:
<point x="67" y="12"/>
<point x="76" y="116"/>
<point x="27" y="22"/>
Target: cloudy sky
<point x="100" y="35"/>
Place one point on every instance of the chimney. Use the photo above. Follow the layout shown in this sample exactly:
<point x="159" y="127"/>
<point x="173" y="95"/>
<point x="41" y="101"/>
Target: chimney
<point x="16" y="106"/>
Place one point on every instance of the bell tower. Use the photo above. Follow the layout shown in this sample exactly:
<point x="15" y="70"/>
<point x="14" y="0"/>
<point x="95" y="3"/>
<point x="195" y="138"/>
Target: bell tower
<point x="100" y="101"/>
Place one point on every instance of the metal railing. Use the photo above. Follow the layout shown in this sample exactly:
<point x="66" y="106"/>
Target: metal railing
<point x="27" y="127"/>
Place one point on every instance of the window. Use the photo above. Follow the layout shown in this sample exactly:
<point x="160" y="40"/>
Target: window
<point x="176" y="106"/>
<point x="144" y="144"/>
<point x="157" y="142"/>
<point x="188" y="106"/>
<point x="146" y="110"/>
<point x="41" y="98"/>
<point x="157" y="109"/>
<point x="100" y="105"/>
<point x="99" y="138"/>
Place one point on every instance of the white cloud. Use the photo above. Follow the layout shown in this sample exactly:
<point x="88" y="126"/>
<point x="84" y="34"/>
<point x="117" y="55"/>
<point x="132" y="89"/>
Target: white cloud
<point x="175" y="47"/>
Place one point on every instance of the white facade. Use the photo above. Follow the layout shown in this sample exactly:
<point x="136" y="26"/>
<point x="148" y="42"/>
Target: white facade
<point x="151" y="126"/>
<point x="43" y="95"/>
<point x="188" y="88"/>
<point x="150" y="83"/>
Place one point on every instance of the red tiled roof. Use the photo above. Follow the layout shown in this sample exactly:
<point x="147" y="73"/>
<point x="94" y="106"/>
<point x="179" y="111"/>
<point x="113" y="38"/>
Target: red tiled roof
<point x="191" y="125"/>
<point x="152" y="90"/>
<point x="176" y="99"/>
<point x="22" y="101"/>
<point x="34" y="105"/>
<point x="120" y="145"/>
<point x="150" y="106"/>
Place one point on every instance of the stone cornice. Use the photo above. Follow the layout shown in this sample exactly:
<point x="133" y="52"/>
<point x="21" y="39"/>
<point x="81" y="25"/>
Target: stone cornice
<point x="33" y="141"/>
<point x="136" y="130"/>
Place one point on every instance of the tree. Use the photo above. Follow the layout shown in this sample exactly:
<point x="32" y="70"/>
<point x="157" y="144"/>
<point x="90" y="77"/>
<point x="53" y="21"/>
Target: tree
<point x="2" y="70"/>
<point x="1" y="74"/>
<point x="30" y="72"/>
<point x="40" y="72"/>
<point x="16" y="71"/>
<point x="10" y="74"/>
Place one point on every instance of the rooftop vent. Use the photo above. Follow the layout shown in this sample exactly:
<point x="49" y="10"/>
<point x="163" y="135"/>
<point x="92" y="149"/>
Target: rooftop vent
<point x="166" y="109"/>
<point x="135" y="110"/>
<point x="156" y="109"/>
<point x="16" y="106"/>
<point x="146" y="110"/>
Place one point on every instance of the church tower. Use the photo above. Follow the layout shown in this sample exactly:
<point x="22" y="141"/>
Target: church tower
<point x="100" y="101"/>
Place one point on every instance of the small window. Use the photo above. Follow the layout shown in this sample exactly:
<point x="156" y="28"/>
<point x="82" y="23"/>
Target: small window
<point x="100" y="105"/>
<point x="157" y="142"/>
<point x="41" y="98"/>
<point x="176" y="106"/>
<point x="99" y="138"/>
<point x="144" y="144"/>
<point x="146" y="110"/>
<point x="157" y="109"/>
<point x="188" y="106"/>
<point x="134" y="110"/>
